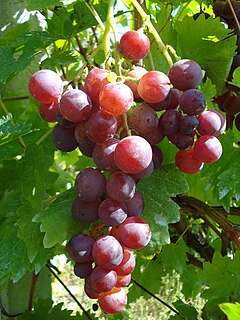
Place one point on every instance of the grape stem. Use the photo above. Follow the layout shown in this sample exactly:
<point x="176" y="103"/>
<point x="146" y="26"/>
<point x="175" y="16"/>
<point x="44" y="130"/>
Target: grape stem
<point x="125" y="124"/>
<point x="147" y="22"/>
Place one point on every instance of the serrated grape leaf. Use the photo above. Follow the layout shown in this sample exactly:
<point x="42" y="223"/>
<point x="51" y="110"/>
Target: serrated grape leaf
<point x="41" y="4"/>
<point x="186" y="311"/>
<point x="56" y="59"/>
<point x="213" y="47"/>
<point x="57" y="221"/>
<point x="209" y="89"/>
<point x="232" y="310"/>
<point x="160" y="209"/>
<point x="9" y="204"/>
<point x="10" y="131"/>
<point x="44" y="309"/>
<point x="14" y="261"/>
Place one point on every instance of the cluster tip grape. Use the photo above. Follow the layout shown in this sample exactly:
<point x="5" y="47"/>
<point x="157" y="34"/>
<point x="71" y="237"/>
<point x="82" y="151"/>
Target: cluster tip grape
<point x="97" y="119"/>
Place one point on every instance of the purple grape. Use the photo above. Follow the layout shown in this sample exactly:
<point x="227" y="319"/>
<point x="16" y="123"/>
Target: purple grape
<point x="85" y="212"/>
<point x="80" y="247"/>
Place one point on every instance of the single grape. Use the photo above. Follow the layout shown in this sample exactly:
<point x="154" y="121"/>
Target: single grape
<point x="113" y="301"/>
<point x="208" y="149"/>
<point x="101" y="126"/>
<point x="75" y="105"/>
<point x="188" y="124"/>
<point x="163" y="105"/>
<point x="90" y="184"/>
<point x="103" y="155"/>
<point x="85" y="145"/>
<point x="94" y="82"/>
<point x="182" y="141"/>
<point x="85" y="212"/>
<point x="136" y="73"/>
<point x="45" y="86"/>
<point x="103" y="280"/>
<point x="143" y="119"/>
<point x="192" y="102"/>
<point x="135" y="205"/>
<point x="120" y="186"/>
<point x="112" y="212"/>
<point x="123" y="281"/>
<point x="107" y="252"/>
<point x="127" y="265"/>
<point x="209" y="123"/>
<point x="170" y="121"/>
<point x="154" y="86"/>
<point x="88" y="288"/>
<point x="187" y="162"/>
<point x="83" y="270"/>
<point x="80" y="247"/>
<point x="116" y="98"/>
<point x="185" y="74"/>
<point x="49" y="111"/>
<point x="133" y="154"/>
<point x="134" y="233"/>
<point x="64" y="138"/>
<point x="134" y="45"/>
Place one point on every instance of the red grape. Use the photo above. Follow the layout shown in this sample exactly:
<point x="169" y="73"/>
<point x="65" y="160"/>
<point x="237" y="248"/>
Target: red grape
<point x="134" y="233"/>
<point x="192" y="102"/>
<point x="127" y="265"/>
<point x="49" y="111"/>
<point x="116" y="98"/>
<point x="154" y="86"/>
<point x="86" y="146"/>
<point x="133" y="154"/>
<point x="113" y="301"/>
<point x="136" y="73"/>
<point x="181" y="140"/>
<point x="123" y="281"/>
<point x="75" y="105"/>
<point x="188" y="124"/>
<point x="185" y="74"/>
<point x="223" y="123"/>
<point x="187" y="162"/>
<point x="101" y="126"/>
<point x="135" y="205"/>
<point x="120" y="186"/>
<point x="209" y="123"/>
<point x="83" y="270"/>
<point x="85" y="212"/>
<point x="94" y="82"/>
<point x="80" y="247"/>
<point x="64" y="138"/>
<point x="103" y="155"/>
<point x="90" y="184"/>
<point x="103" y="280"/>
<point x="134" y="45"/>
<point x="112" y="212"/>
<point x="208" y="149"/>
<point x="45" y="86"/>
<point x="107" y="252"/>
<point x="143" y="119"/>
<point x="170" y="121"/>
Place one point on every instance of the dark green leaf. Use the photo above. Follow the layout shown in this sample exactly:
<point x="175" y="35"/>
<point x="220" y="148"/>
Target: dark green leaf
<point x="160" y="209"/>
<point x="41" y="4"/>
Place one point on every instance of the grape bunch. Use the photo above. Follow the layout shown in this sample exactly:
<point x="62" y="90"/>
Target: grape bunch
<point x="229" y="102"/>
<point x="120" y="125"/>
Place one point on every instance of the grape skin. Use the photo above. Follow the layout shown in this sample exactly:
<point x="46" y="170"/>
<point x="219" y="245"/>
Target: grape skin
<point x="103" y="280"/>
<point x="209" y="123"/>
<point x="94" y="82"/>
<point x="112" y="212"/>
<point x="107" y="252"/>
<point x="133" y="154"/>
<point x="75" y="105"/>
<point x="80" y="247"/>
<point x="113" y="301"/>
<point x="83" y="270"/>
<point x="134" y="45"/>
<point x="45" y="86"/>
<point x="116" y="98"/>
<point x="127" y="265"/>
<point x="185" y="74"/>
<point x="136" y="73"/>
<point x="187" y="162"/>
<point x="49" y="111"/>
<point x="154" y="87"/>
<point x="143" y="119"/>
<point x="120" y="186"/>
<point x="208" y="149"/>
<point x="103" y="155"/>
<point x="192" y="102"/>
<point x="85" y="212"/>
<point x="64" y="138"/>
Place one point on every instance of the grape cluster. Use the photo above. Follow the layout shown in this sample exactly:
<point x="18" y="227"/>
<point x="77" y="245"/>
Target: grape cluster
<point x="229" y="102"/>
<point x="119" y="124"/>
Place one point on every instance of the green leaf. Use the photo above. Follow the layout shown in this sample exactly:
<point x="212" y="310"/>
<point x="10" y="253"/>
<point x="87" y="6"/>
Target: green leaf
<point x="213" y="47"/>
<point x="41" y="4"/>
<point x="236" y="77"/>
<point x="231" y="310"/>
<point x="186" y="311"/>
<point x="173" y="257"/>
<point x="64" y="59"/>
<point x="13" y="253"/>
<point x="57" y="221"/>
<point x="10" y="131"/>
<point x="209" y="89"/>
<point x="160" y="209"/>
<point x="44" y="309"/>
